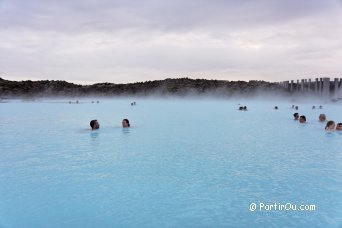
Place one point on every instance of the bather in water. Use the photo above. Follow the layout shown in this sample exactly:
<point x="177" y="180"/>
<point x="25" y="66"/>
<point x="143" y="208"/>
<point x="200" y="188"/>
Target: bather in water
<point x="302" y="119"/>
<point x="330" y="126"/>
<point x="322" y="118"/>
<point x="125" y="123"/>
<point x="94" y="124"/>
<point x="296" y="116"/>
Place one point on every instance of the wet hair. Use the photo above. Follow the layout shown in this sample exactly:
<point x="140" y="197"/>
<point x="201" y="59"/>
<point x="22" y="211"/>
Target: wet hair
<point x="302" y="117"/>
<point x="240" y="108"/>
<point x="295" y="114"/>
<point x="276" y="107"/>
<point x="244" y="107"/>
<point x="92" y="123"/>
<point x="322" y="116"/>
<point x="329" y="123"/>
<point x="127" y="121"/>
<point x="338" y="126"/>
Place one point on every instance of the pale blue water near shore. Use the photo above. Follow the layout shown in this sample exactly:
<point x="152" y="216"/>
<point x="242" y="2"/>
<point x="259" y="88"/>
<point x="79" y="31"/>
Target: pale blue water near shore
<point x="181" y="164"/>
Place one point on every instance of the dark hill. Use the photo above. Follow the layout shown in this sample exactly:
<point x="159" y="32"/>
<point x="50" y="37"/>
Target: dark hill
<point x="174" y="87"/>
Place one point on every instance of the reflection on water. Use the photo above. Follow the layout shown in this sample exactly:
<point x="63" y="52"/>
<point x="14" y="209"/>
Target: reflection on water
<point x="330" y="134"/>
<point x="94" y="134"/>
<point x="126" y="130"/>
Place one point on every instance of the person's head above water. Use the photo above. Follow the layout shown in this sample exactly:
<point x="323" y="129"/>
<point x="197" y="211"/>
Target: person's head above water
<point x="330" y="126"/>
<point x="94" y="125"/>
<point x="296" y="116"/>
<point x="302" y="119"/>
<point x="276" y="107"/>
<point x="339" y="127"/>
<point x="296" y="107"/>
<point x="125" y="123"/>
<point x="322" y="117"/>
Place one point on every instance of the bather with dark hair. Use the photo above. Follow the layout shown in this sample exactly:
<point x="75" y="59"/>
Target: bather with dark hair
<point x="302" y="119"/>
<point x="330" y="126"/>
<point x="339" y="127"/>
<point x="125" y="123"/>
<point x="296" y="116"/>
<point x="94" y="125"/>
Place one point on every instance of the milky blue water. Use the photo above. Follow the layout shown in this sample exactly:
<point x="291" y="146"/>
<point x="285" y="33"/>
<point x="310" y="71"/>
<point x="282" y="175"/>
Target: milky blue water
<point x="183" y="163"/>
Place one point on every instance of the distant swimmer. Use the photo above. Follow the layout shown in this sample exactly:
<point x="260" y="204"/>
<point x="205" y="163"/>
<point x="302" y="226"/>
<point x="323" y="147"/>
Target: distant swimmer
<point x="314" y="107"/>
<point x="339" y="127"/>
<point x="320" y="107"/>
<point x="292" y="106"/>
<point x="97" y="102"/>
<point x="296" y="107"/>
<point x="302" y="119"/>
<point x="241" y="108"/>
<point x="276" y="107"/>
<point x="94" y="125"/>
<point x="125" y="123"/>
<point x="244" y="108"/>
<point x="322" y="118"/>
<point x="296" y="116"/>
<point x="330" y="126"/>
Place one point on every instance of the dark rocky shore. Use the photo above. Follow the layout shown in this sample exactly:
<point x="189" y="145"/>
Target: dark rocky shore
<point x="173" y="87"/>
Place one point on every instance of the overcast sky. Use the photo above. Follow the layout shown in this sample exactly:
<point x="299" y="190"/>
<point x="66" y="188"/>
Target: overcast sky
<point x="87" y="41"/>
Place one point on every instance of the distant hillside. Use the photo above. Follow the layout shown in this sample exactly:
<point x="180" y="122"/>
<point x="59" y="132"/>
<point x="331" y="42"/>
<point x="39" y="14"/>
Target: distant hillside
<point x="174" y="87"/>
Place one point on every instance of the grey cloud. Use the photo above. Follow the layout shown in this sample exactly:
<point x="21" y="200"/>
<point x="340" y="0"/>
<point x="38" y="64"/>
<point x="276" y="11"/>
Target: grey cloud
<point x="173" y="15"/>
<point x="123" y="41"/>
